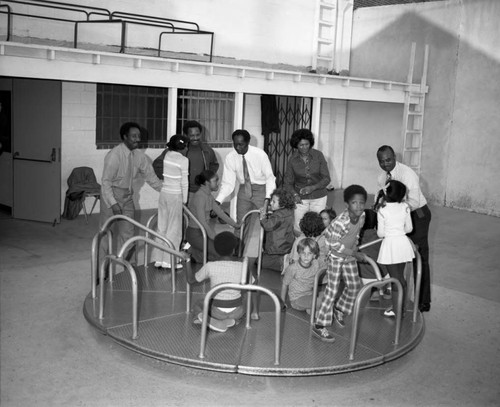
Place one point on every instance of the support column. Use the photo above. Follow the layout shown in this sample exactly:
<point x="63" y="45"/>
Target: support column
<point x="172" y="113"/>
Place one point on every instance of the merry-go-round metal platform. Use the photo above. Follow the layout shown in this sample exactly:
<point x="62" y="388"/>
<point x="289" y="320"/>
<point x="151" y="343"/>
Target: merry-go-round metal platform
<point x="149" y="311"/>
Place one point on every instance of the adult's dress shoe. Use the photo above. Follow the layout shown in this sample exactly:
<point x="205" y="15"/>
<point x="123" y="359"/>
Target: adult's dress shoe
<point x="424" y="307"/>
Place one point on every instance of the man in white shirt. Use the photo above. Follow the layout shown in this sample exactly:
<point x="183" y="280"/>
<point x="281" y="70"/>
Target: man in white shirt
<point x="121" y="166"/>
<point x="420" y="213"/>
<point x="257" y="181"/>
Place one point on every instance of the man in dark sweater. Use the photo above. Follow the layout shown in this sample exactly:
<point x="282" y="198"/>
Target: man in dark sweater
<point x="200" y="155"/>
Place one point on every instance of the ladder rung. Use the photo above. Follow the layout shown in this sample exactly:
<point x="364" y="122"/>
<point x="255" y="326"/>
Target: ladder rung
<point x="415" y="113"/>
<point x="324" y="58"/>
<point x="325" y="41"/>
<point x="412" y="149"/>
<point x="324" y="22"/>
<point x="408" y="131"/>
<point x="327" y="5"/>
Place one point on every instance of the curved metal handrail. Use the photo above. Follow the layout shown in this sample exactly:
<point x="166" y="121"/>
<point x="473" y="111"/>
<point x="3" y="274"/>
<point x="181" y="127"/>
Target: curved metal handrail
<point x="96" y="243"/>
<point x="111" y="258"/>
<point x="169" y="249"/>
<point x="9" y="14"/>
<point x="261" y="241"/>
<point x="364" y="246"/>
<point x="320" y="273"/>
<point x="243" y="287"/>
<point x="364" y="292"/>
<point x="418" y="281"/>
<point x="120" y="260"/>
<point x="417" y="276"/>
<point x="94" y="256"/>
<point x="149" y="224"/>
<point x="203" y="231"/>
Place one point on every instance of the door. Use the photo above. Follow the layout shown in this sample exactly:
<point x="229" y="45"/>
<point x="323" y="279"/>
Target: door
<point x="36" y="150"/>
<point x="294" y="113"/>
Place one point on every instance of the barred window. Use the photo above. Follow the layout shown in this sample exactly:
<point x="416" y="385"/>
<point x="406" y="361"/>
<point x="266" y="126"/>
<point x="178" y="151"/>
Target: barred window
<point x="214" y="111"/>
<point x="117" y="104"/>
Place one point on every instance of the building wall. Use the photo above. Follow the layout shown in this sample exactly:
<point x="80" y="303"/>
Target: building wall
<point x="459" y="143"/>
<point x="79" y="144"/>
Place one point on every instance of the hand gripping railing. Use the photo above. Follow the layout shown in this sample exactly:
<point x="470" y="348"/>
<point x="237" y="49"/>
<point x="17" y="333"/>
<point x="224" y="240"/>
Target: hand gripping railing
<point x="105" y="230"/>
<point x="119" y="260"/>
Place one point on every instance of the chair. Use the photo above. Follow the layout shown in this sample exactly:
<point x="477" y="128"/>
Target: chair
<point x="82" y="184"/>
<point x="96" y="196"/>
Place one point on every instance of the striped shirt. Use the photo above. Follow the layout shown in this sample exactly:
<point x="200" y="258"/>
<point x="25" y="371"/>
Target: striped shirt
<point x="175" y="174"/>
<point x="342" y="236"/>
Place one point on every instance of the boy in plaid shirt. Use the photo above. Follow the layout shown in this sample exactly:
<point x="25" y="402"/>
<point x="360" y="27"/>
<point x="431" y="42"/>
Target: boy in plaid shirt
<point x="342" y="241"/>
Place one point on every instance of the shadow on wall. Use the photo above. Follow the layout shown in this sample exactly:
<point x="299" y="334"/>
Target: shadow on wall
<point x="458" y="149"/>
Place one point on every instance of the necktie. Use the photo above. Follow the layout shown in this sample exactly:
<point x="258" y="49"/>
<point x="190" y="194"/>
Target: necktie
<point x="130" y="171"/>
<point x="246" y="175"/>
<point x="388" y="177"/>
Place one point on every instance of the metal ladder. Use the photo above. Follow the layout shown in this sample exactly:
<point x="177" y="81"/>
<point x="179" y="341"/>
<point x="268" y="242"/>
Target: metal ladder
<point x="413" y="116"/>
<point x="324" y="34"/>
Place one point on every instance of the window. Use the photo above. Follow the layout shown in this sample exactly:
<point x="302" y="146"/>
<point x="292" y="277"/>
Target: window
<point x="214" y="111"/>
<point x="117" y="104"/>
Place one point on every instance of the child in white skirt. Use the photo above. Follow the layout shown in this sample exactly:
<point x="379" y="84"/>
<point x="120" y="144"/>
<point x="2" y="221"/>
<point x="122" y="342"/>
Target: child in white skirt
<point x="394" y="222"/>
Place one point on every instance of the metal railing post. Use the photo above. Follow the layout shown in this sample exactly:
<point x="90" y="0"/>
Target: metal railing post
<point x="248" y="287"/>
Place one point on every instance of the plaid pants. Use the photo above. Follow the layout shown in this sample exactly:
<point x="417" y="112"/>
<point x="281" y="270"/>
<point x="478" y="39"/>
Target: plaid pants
<point x="337" y="268"/>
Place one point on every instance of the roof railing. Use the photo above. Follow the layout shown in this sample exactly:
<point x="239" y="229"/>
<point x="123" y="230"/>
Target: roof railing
<point x="176" y="27"/>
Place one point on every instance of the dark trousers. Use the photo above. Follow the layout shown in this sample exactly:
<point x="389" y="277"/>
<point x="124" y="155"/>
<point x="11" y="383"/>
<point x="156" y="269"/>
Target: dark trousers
<point x="245" y="204"/>
<point x="195" y="239"/>
<point x="122" y="230"/>
<point x="421" y="219"/>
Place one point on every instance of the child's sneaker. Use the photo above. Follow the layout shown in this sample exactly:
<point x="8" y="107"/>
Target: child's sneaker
<point x="323" y="334"/>
<point x="339" y="318"/>
<point x="387" y="293"/>
<point x="389" y="312"/>
<point x="230" y="322"/>
<point x="375" y="296"/>
<point x="214" y="324"/>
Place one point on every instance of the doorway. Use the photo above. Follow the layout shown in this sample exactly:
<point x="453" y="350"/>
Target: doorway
<point x="35" y="170"/>
<point x="293" y="113"/>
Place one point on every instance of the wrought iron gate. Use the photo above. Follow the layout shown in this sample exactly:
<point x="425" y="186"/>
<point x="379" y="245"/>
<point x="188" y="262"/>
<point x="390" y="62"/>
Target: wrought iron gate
<point x="294" y="113"/>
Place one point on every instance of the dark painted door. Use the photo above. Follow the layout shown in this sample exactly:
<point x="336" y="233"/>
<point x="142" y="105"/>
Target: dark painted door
<point x="36" y="140"/>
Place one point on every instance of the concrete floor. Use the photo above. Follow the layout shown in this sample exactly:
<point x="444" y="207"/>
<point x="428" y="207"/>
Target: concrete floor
<point x="50" y="356"/>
